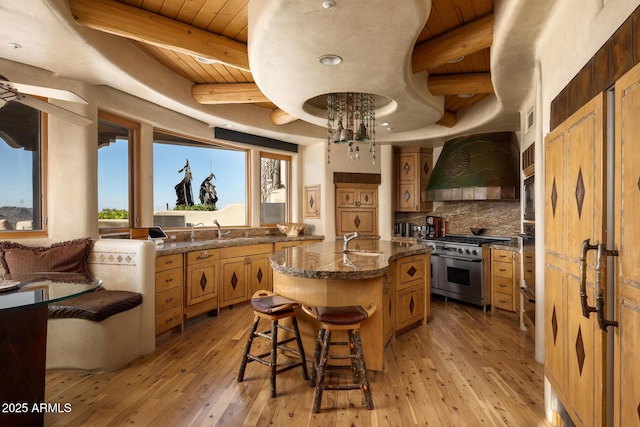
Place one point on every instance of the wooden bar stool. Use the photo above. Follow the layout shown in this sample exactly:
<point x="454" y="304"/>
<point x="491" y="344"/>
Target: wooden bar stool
<point x="272" y="307"/>
<point x="339" y="319"/>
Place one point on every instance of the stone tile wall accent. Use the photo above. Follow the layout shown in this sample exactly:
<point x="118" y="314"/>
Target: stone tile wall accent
<point x="500" y="218"/>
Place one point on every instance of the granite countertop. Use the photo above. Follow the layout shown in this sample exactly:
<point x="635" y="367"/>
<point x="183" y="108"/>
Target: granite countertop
<point x="513" y="246"/>
<point x="326" y="260"/>
<point x="179" y="247"/>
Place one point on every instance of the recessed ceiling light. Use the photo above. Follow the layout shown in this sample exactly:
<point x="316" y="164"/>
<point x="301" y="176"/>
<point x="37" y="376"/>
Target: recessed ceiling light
<point x="204" y="60"/>
<point x="455" y="60"/>
<point x="465" y="95"/>
<point x="328" y="4"/>
<point x="15" y="45"/>
<point x="382" y="124"/>
<point x="330" y="60"/>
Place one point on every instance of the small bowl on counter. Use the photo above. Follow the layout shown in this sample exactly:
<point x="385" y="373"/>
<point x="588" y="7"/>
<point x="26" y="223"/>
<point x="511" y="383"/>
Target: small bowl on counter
<point x="292" y="229"/>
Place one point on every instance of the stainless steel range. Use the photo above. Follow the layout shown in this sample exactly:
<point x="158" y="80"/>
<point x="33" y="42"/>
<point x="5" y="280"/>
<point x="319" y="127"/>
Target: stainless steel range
<point x="458" y="267"/>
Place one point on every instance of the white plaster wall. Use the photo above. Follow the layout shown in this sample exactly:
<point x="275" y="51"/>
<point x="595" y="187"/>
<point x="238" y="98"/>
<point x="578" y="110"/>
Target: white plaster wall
<point x="314" y="173"/>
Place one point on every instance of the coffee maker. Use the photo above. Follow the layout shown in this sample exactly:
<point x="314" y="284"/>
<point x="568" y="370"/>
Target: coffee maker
<point x="434" y="227"/>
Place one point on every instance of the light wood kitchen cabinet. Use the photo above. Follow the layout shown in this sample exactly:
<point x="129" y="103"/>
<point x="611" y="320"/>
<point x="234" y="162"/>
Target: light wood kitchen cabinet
<point x="356" y="209"/>
<point x="413" y="170"/>
<point x="411" y="284"/>
<point x="388" y="308"/>
<point x="243" y="271"/>
<point x="169" y="281"/>
<point x="201" y="293"/>
<point x="505" y="280"/>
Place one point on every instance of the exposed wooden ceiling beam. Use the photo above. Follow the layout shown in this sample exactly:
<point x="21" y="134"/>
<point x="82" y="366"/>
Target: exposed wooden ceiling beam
<point x="454" y="84"/>
<point x="280" y="117"/>
<point x="448" y="119"/>
<point x="469" y="38"/>
<point x="228" y="93"/>
<point x="126" y="21"/>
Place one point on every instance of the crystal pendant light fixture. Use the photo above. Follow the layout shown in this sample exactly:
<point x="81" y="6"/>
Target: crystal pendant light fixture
<point x="351" y="119"/>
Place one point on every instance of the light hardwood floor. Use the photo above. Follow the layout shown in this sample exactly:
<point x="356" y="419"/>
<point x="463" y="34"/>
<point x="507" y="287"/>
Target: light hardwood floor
<point x="464" y="368"/>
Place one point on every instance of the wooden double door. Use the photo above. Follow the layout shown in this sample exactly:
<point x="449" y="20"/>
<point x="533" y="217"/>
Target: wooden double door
<point x="592" y="202"/>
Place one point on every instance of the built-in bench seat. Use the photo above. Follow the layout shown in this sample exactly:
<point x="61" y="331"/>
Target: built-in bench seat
<point x="107" y="329"/>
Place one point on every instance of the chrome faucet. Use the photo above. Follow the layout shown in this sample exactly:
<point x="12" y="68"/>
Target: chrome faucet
<point x="220" y="233"/>
<point x="347" y="239"/>
<point x="193" y="232"/>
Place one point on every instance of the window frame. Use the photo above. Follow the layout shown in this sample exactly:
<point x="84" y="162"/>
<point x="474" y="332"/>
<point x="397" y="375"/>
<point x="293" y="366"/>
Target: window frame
<point x="215" y="143"/>
<point x="43" y="124"/>
<point x="134" y="171"/>
<point x="287" y="184"/>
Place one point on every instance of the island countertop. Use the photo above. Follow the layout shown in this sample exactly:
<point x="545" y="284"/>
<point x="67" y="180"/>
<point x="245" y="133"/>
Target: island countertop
<point x="365" y="259"/>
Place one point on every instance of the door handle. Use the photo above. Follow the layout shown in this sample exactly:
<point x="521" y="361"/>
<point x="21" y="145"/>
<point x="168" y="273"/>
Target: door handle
<point x="586" y="308"/>
<point x="603" y="253"/>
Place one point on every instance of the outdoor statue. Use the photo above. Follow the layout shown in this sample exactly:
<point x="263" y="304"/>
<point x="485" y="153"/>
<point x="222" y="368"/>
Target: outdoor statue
<point x="208" y="195"/>
<point x="183" y="188"/>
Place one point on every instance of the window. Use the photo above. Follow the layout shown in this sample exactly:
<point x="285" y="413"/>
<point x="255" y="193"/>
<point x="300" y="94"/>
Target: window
<point x="116" y="190"/>
<point x="22" y="146"/>
<point x="195" y="182"/>
<point x="275" y="182"/>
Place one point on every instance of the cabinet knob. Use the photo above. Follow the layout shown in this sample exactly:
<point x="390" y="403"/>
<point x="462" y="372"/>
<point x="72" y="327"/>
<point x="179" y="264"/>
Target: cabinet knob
<point x="168" y="299"/>
<point x="169" y="280"/>
<point x="169" y="320"/>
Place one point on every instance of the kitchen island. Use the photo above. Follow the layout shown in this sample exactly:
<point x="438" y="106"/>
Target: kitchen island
<point x="367" y="273"/>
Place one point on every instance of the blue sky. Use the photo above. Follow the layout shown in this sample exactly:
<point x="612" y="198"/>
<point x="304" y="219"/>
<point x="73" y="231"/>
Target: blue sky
<point x="16" y="169"/>
<point x="228" y="167"/>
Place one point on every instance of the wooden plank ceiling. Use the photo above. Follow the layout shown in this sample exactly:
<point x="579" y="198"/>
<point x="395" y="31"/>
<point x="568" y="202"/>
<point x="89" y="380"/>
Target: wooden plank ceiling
<point x="453" y="47"/>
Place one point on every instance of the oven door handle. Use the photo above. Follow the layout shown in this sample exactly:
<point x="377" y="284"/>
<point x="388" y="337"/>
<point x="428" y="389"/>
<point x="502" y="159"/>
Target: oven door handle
<point x="459" y="259"/>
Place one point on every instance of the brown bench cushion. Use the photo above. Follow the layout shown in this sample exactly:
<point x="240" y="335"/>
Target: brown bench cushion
<point x="96" y="306"/>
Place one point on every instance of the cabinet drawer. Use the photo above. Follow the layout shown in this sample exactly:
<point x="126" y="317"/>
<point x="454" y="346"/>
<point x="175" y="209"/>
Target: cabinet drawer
<point x="167" y="262"/>
<point x="206" y="255"/>
<point x="168" y="279"/>
<point x="236" y="251"/>
<point x="168" y="299"/>
<point x="168" y="319"/>
<point x="503" y="301"/>
<point x="503" y="269"/>
<point x="502" y="255"/>
<point x="411" y="271"/>
<point x="503" y="285"/>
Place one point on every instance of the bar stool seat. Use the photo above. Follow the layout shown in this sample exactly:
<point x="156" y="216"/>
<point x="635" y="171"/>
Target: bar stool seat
<point x="272" y="307"/>
<point x="339" y="319"/>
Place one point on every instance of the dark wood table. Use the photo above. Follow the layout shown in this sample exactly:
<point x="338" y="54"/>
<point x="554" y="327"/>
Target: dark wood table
<point x="23" y="341"/>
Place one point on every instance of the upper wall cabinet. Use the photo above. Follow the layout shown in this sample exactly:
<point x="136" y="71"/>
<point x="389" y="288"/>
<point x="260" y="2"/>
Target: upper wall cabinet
<point x="414" y="166"/>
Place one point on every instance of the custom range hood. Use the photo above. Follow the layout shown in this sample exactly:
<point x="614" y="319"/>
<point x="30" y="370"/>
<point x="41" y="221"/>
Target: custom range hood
<point x="477" y="167"/>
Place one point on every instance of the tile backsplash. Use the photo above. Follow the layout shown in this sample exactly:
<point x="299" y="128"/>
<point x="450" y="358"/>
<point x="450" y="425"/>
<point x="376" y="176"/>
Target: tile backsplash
<point x="499" y="218"/>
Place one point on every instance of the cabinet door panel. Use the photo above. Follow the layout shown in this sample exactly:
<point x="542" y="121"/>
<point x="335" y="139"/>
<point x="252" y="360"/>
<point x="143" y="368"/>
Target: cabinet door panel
<point x="361" y="220"/>
<point x="260" y="274"/>
<point x="346" y="197"/>
<point x="202" y="283"/>
<point x="234" y="281"/>
<point x="574" y="188"/>
<point x="409" y="306"/>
